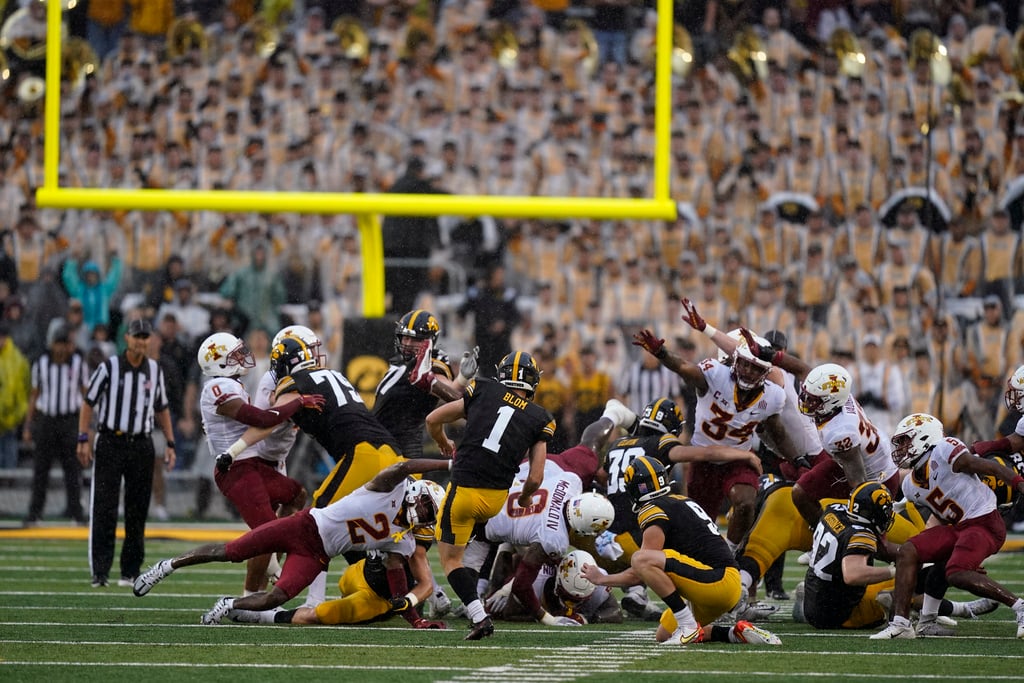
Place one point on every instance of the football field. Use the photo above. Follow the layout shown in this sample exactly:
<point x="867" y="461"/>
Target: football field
<point x="54" y="626"/>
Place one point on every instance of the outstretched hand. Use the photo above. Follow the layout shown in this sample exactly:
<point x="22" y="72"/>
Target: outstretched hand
<point x="423" y="623"/>
<point x="469" y="362"/>
<point x="765" y="353"/>
<point x="691" y="317"/>
<point x="646" y="340"/>
<point x="313" y="401"/>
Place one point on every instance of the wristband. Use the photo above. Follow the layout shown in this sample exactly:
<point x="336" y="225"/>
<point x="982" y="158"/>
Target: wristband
<point x="710" y="329"/>
<point x="413" y="600"/>
<point x="892" y="571"/>
<point x="170" y="444"/>
<point x="462" y="381"/>
<point x="83" y="437"/>
<point x="236" y="448"/>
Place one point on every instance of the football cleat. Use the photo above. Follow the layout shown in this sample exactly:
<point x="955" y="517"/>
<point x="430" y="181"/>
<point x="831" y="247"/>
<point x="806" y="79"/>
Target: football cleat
<point x="639" y="606"/>
<point x="752" y="611"/>
<point x="798" y="604"/>
<point x="100" y="581"/>
<point x="804" y="558"/>
<point x="217" y="613"/>
<point x="126" y="581"/>
<point x="621" y="416"/>
<point x="245" y="616"/>
<point x="974" y="608"/>
<point x="151" y="577"/>
<point x="748" y="633"/>
<point x="684" y="635"/>
<point x="481" y="629"/>
<point x="895" y="632"/>
<point x="1020" y="624"/>
<point x="929" y="626"/>
<point x="439" y="603"/>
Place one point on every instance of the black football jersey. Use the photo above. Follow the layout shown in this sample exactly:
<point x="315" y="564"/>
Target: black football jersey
<point x="501" y="428"/>
<point x="618" y="458"/>
<point x="828" y="600"/>
<point x="401" y="407"/>
<point x="344" y="421"/>
<point x="688" y="530"/>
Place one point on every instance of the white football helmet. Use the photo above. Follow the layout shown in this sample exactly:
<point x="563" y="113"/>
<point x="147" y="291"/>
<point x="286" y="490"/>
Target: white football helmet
<point x="915" y="435"/>
<point x="825" y="390"/>
<point x="308" y="338"/>
<point x="423" y="501"/>
<point x="589" y="513"/>
<point x="748" y="370"/>
<point x="724" y="357"/>
<point x="570" y="575"/>
<point x="1014" y="396"/>
<point x="222" y="354"/>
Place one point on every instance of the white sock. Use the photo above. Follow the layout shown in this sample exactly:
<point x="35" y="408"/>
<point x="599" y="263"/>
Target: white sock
<point x="1018" y="606"/>
<point x="746" y="581"/>
<point x="481" y="586"/>
<point x="930" y="607"/>
<point x="246" y="593"/>
<point x="476" y="611"/>
<point x="732" y="546"/>
<point x="317" y="592"/>
<point x="274" y="567"/>
<point x="685" y="619"/>
<point x="901" y="621"/>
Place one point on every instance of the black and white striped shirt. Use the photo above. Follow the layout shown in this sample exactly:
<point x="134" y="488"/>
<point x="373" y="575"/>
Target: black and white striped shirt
<point x="126" y="398"/>
<point x="641" y="385"/>
<point x="60" y="385"/>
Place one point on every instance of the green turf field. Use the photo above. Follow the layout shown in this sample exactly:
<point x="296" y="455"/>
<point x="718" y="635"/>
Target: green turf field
<point x="54" y="626"/>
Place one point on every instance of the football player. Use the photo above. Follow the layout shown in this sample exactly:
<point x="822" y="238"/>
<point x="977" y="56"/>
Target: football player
<point x="732" y="401"/>
<point x="258" y="490"/>
<point x="945" y="476"/>
<point x="656" y="435"/>
<point x="364" y="520"/>
<point x="683" y="559"/>
<point x="502" y="426"/>
<point x="366" y="595"/>
<point x="1014" y="400"/>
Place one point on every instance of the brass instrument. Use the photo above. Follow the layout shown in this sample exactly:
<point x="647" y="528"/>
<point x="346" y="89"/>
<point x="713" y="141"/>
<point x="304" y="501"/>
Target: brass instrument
<point x="926" y="45"/>
<point x="844" y="45"/>
<point x="748" y="58"/>
<point x="78" y="60"/>
<point x="31" y="89"/>
<point x="682" y="51"/>
<point x="185" y="35"/>
<point x="505" y="45"/>
<point x="591" y="55"/>
<point x="5" y="70"/>
<point x="352" y="38"/>
<point x="265" y="33"/>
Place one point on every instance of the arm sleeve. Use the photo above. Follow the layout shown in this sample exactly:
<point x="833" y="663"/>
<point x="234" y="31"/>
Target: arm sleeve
<point x="522" y="587"/>
<point x="255" y="417"/>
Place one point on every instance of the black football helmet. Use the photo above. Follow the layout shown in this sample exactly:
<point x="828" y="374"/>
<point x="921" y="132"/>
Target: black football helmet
<point x="661" y="416"/>
<point x="414" y="327"/>
<point x="646" y="479"/>
<point x="518" y="370"/>
<point x="1006" y="495"/>
<point x="291" y="354"/>
<point x="871" y="504"/>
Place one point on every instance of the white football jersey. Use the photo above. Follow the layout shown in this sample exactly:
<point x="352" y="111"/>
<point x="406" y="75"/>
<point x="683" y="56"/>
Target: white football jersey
<point x="542" y="522"/>
<point x="221" y="430"/>
<point x="849" y="428"/>
<point x="278" y="443"/>
<point x="719" y="421"/>
<point x="365" y="520"/>
<point x="1019" y="429"/>
<point x="801" y="428"/>
<point x="953" y="496"/>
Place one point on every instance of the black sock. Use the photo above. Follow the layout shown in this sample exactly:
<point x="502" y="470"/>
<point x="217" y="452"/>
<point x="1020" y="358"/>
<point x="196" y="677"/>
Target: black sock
<point x="285" y="616"/>
<point x="720" y="634"/>
<point x="463" y="582"/>
<point x="674" y="601"/>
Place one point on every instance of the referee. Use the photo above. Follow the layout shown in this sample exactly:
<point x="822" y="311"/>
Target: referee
<point x="58" y="380"/>
<point x="127" y="393"/>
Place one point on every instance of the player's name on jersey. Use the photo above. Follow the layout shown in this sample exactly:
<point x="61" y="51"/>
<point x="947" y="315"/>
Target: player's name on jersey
<point x="555" y="509"/>
<point x="833" y="523"/>
<point x="514" y="400"/>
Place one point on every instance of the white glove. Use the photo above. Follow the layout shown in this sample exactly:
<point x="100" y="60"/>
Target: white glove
<point x="607" y="546"/>
<point x="499" y="599"/>
<point x="549" y="620"/>
<point x="468" y="365"/>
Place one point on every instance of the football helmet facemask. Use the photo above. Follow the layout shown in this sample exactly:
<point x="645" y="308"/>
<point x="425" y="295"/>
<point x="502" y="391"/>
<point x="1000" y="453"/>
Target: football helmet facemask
<point x="871" y="503"/>
<point x="412" y="330"/>
<point x="571" y="581"/>
<point x="748" y="370"/>
<point x="518" y="370"/>
<point x="589" y="513"/>
<point x="825" y="390"/>
<point x="913" y="438"/>
<point x="645" y="480"/>
<point x="422" y="502"/>
<point x="222" y="354"/>
<point x="1014" y="396"/>
<point x="308" y="337"/>
<point x="290" y="355"/>
<point x="662" y="416"/>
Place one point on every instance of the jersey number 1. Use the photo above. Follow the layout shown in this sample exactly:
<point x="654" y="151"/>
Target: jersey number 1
<point x="493" y="440"/>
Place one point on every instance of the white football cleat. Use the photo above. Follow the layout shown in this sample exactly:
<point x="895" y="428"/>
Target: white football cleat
<point x="151" y="577"/>
<point x="895" y="632"/>
<point x="685" y="635"/>
<point x="217" y="613"/>
<point x="1020" y="624"/>
<point x="748" y="633"/>
<point x="798" y="604"/>
<point x="804" y="558"/>
<point x="930" y="626"/>
<point x="974" y="608"/>
<point x="616" y="411"/>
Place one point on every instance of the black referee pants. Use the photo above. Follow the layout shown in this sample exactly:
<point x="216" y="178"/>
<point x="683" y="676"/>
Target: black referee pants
<point x="118" y="458"/>
<point x="55" y="438"/>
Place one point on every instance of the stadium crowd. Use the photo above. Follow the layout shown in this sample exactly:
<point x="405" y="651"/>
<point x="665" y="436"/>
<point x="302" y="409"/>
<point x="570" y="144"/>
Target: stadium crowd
<point x="784" y="171"/>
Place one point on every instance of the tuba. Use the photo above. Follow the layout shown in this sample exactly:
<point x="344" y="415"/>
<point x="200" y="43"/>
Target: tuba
<point x="352" y="38"/>
<point x="31" y="89"/>
<point x="505" y="45"/>
<point x="265" y="34"/>
<point x="926" y="45"/>
<point x="748" y="60"/>
<point x="591" y="55"/>
<point x="682" y="51"/>
<point x="185" y="35"/>
<point x="844" y="45"/>
<point x="78" y="60"/>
